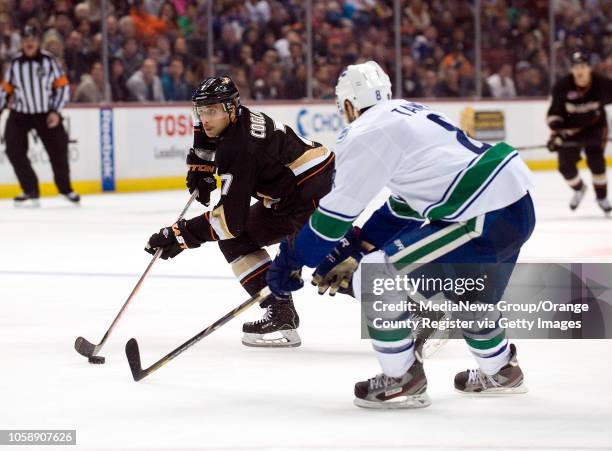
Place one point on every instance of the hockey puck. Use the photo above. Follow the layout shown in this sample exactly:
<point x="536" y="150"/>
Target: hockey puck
<point x="96" y="359"/>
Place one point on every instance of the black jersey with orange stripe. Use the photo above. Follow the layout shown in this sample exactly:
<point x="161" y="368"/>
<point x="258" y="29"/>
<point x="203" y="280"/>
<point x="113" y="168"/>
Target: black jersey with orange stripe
<point x="258" y="157"/>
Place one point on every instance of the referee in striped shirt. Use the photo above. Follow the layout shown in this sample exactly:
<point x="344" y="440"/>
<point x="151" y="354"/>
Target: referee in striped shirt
<point x="35" y="89"/>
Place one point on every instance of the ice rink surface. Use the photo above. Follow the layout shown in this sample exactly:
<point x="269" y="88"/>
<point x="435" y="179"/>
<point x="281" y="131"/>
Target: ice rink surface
<point x="66" y="271"/>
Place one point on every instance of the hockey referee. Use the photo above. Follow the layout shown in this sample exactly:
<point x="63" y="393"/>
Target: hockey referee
<point x="577" y="120"/>
<point x="35" y="89"/>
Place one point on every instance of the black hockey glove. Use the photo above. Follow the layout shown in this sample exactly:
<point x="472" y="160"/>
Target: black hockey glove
<point x="172" y="240"/>
<point x="200" y="176"/>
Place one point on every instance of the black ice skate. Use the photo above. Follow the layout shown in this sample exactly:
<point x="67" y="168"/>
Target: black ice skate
<point x="508" y="380"/>
<point x="577" y="197"/>
<point x="281" y="320"/>
<point x="406" y="392"/>
<point x="604" y="204"/>
<point x="72" y="197"/>
<point x="27" y="200"/>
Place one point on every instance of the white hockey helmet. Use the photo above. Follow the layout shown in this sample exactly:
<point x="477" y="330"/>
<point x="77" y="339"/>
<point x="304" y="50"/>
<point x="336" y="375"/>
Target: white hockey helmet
<point x="363" y="85"/>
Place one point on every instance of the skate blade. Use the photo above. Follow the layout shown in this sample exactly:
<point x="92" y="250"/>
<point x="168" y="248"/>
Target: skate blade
<point x="401" y="402"/>
<point x="27" y="204"/>
<point x="497" y="391"/>
<point x="288" y="339"/>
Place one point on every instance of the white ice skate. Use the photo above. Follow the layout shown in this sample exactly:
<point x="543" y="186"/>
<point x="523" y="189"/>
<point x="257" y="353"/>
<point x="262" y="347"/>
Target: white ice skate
<point x="577" y="197"/>
<point x="26" y="201"/>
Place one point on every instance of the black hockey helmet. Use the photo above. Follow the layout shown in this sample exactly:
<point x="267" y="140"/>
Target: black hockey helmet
<point x="217" y="90"/>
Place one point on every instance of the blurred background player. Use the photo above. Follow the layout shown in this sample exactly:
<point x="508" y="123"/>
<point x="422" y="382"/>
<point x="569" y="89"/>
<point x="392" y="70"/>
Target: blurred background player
<point x="255" y="157"/>
<point x="577" y="119"/>
<point x="35" y="89"/>
<point x="474" y="206"/>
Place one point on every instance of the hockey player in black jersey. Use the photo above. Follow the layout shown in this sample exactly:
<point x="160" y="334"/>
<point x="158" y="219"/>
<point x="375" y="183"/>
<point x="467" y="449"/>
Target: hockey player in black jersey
<point x="577" y="120"/>
<point x="255" y="157"/>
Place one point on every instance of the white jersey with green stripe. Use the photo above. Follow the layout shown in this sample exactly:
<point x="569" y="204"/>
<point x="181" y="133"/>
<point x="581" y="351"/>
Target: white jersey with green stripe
<point x="426" y="161"/>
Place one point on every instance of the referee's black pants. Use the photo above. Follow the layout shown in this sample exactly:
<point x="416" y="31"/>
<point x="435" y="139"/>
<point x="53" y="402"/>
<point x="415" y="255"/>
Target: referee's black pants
<point x="55" y="141"/>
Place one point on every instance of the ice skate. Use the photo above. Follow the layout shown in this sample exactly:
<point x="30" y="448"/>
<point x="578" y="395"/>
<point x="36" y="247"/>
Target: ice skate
<point x="385" y="392"/>
<point x="72" y="197"/>
<point x="577" y="197"/>
<point x="604" y="204"/>
<point x="508" y="380"/>
<point x="26" y="200"/>
<point x="277" y="328"/>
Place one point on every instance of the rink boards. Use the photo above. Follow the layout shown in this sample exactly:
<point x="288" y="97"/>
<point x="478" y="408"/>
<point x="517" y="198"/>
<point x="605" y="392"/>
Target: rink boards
<point x="137" y="148"/>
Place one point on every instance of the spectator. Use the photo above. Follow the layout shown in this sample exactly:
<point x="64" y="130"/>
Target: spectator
<point x="411" y="83"/>
<point x="95" y="10"/>
<point x="127" y="28"/>
<point x="418" y="14"/>
<point x="164" y="53"/>
<point x="449" y="86"/>
<point x="144" y="84"/>
<point x="430" y="83"/>
<point x="276" y="83"/>
<point x="296" y="84"/>
<point x="187" y="21"/>
<point x="63" y="24"/>
<point x="148" y="26"/>
<point x="246" y="60"/>
<point x="91" y="88"/>
<point x="76" y="57"/>
<point x="169" y="15"/>
<point x="53" y="44"/>
<point x="26" y="10"/>
<point x="130" y="56"/>
<point x="424" y="44"/>
<point x="520" y="77"/>
<point x="182" y="51"/>
<point x="322" y="83"/>
<point x="501" y="83"/>
<point x="535" y="85"/>
<point x="240" y="80"/>
<point x="81" y="12"/>
<point x="118" y="82"/>
<point x="114" y="37"/>
<point x="259" y="11"/>
<point x="228" y="48"/>
<point x="153" y="6"/>
<point x="296" y="54"/>
<point x="10" y="41"/>
<point x="173" y="81"/>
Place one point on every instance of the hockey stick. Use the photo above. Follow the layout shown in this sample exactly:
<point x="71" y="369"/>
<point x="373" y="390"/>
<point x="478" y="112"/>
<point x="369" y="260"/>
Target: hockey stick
<point x="88" y="349"/>
<point x="565" y="144"/>
<point x="133" y="353"/>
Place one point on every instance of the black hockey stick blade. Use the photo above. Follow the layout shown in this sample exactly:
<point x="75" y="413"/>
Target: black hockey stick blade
<point x="133" y="355"/>
<point x="84" y="347"/>
<point x="88" y="349"/>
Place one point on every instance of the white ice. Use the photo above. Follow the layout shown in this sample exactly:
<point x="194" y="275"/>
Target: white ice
<point x="66" y="271"/>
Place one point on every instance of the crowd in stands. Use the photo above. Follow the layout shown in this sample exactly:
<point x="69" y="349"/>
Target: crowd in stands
<point x="158" y="49"/>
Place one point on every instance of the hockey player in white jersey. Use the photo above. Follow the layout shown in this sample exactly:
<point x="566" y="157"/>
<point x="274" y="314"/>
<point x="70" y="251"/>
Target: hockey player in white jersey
<point x="454" y="200"/>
